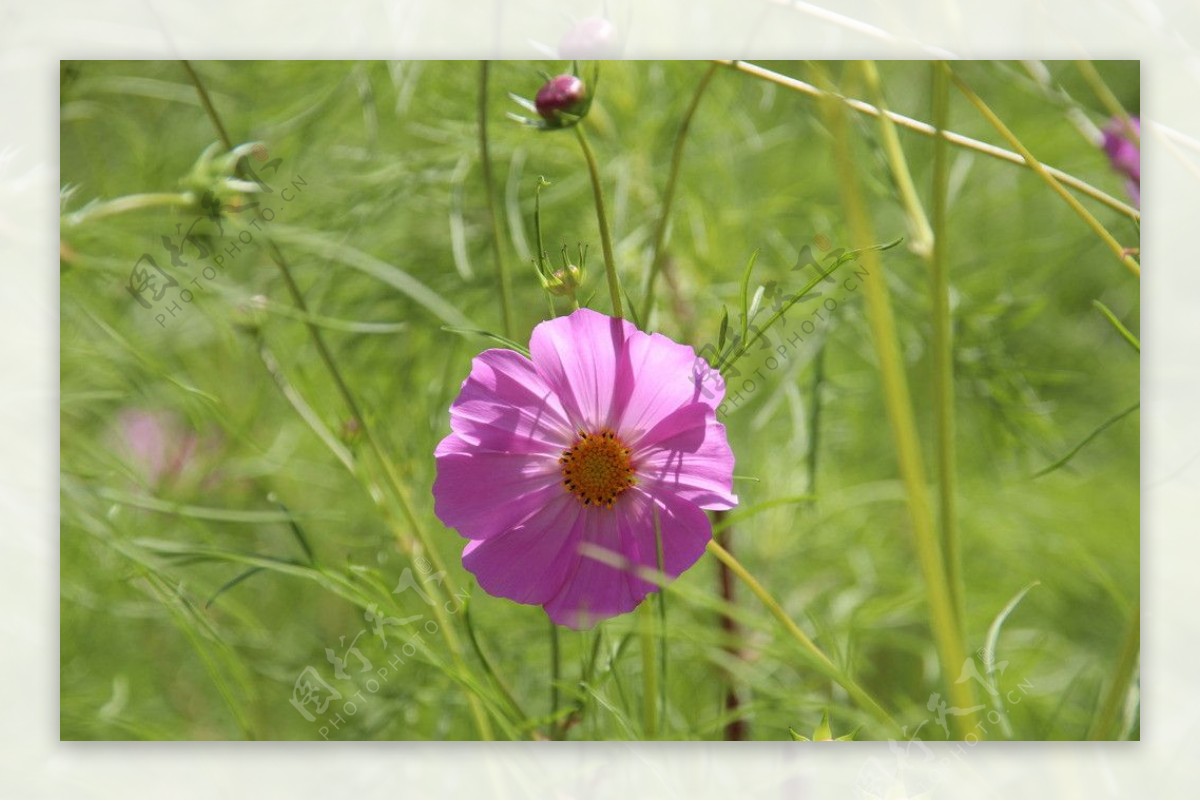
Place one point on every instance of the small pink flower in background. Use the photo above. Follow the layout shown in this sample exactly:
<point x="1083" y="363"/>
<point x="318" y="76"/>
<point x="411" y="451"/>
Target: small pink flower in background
<point x="1124" y="154"/>
<point x="156" y="445"/>
<point x="587" y="448"/>
<point x="590" y="38"/>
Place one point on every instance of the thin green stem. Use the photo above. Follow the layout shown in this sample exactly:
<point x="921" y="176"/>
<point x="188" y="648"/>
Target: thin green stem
<point x="555" y="677"/>
<point x="661" y="606"/>
<point x="610" y="264"/>
<point x="823" y="662"/>
<point x="486" y="661"/>
<point x="121" y="205"/>
<point x="735" y="725"/>
<point x="1114" y="700"/>
<point x="924" y="128"/>
<point x="1119" y="251"/>
<point x="1108" y="99"/>
<point x="489" y="191"/>
<point x="922" y="235"/>
<point x="369" y="435"/>
<point x="943" y="353"/>
<point x="898" y="402"/>
<point x="649" y="672"/>
<point x="1116" y="418"/>
<point x="209" y="108"/>
<point x="1133" y="341"/>
<point x="664" y="216"/>
<point x="814" y="420"/>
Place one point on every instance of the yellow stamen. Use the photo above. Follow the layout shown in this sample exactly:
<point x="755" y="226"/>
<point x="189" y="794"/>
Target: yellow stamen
<point x="597" y="468"/>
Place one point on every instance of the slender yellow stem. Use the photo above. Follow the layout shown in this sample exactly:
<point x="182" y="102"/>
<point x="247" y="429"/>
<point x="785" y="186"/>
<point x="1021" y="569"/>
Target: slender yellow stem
<point x="1121" y="253"/>
<point x="489" y="192"/>
<point x="958" y="140"/>
<point x="943" y="354"/>
<point x="823" y="662"/>
<point x="897" y="400"/>
<point x="610" y="264"/>
<point x="1108" y="99"/>
<point x="922" y="235"/>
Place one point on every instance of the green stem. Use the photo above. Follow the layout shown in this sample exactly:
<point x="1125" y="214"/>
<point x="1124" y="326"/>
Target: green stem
<point x="898" y="402"/>
<point x="661" y="607"/>
<point x="1108" y="99"/>
<point x="1116" y="418"/>
<point x="814" y="420"/>
<point x="555" y="677"/>
<point x="1102" y="728"/>
<point x="489" y="191"/>
<point x="128" y="203"/>
<point x="922" y="234"/>
<point x="958" y="140"/>
<point x="823" y="662"/>
<point x="943" y="354"/>
<point x="660" y="230"/>
<point x="649" y="673"/>
<point x="1133" y="341"/>
<point x="401" y="495"/>
<point x="610" y="264"/>
<point x="486" y="661"/>
<point x="1121" y="253"/>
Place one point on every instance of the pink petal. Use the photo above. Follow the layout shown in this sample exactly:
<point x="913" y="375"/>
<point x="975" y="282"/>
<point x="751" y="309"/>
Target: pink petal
<point x="483" y="493"/>
<point x="594" y="590"/>
<point x="577" y="356"/>
<point x="655" y="377"/>
<point x="598" y="588"/>
<point x="687" y="454"/>
<point x="608" y="374"/>
<point x="530" y="562"/>
<point x="505" y="406"/>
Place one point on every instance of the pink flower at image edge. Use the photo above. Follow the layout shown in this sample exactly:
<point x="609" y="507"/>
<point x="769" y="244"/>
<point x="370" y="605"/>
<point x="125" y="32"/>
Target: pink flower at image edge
<point x="1125" y="155"/>
<point x="561" y="468"/>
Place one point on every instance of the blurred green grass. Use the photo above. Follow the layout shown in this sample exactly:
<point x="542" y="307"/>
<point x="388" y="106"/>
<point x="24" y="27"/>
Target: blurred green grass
<point x="389" y="159"/>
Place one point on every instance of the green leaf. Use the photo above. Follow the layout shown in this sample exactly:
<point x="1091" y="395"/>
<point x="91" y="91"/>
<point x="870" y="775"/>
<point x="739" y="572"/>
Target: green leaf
<point x="479" y="332"/>
<point x="823" y="733"/>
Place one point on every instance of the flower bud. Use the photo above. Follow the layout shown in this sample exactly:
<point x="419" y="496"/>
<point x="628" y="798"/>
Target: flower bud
<point x="564" y="282"/>
<point x="561" y="93"/>
<point x="250" y="314"/>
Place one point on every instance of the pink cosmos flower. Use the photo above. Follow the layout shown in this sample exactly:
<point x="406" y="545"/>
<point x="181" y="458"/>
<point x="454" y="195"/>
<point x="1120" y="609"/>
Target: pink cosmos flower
<point x="158" y="446"/>
<point x="561" y="468"/>
<point x="1124" y="154"/>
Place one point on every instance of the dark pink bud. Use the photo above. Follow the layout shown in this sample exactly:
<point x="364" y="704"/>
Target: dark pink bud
<point x="561" y="93"/>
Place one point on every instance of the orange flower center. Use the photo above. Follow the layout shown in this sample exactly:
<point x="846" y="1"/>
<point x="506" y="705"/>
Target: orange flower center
<point x="597" y="468"/>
